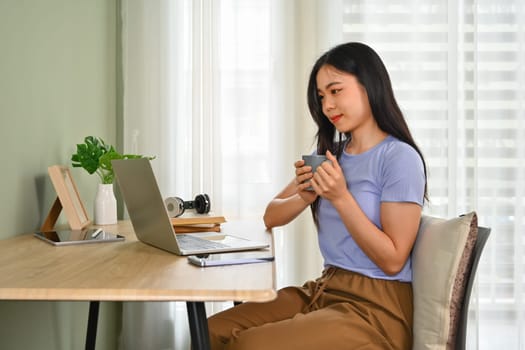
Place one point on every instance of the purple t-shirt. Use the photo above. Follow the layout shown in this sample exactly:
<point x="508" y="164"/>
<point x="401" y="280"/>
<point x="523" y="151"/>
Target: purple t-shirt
<point x="391" y="171"/>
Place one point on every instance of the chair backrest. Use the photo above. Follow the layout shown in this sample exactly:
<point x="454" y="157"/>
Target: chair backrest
<point x="444" y="262"/>
<point x="461" y="338"/>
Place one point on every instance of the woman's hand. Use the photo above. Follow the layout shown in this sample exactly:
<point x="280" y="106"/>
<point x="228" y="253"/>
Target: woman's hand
<point x="303" y="174"/>
<point x="329" y="181"/>
<point x="292" y="200"/>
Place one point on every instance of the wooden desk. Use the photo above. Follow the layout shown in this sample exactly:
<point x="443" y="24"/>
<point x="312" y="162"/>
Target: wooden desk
<point x="31" y="269"/>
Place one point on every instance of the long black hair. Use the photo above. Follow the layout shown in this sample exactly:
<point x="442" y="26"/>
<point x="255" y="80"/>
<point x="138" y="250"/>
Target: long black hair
<point x="365" y="64"/>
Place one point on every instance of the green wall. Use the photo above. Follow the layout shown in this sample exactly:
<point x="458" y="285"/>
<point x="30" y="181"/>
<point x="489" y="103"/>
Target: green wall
<point x="59" y="81"/>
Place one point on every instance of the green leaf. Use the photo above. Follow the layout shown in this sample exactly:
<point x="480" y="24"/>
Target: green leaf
<point x="95" y="156"/>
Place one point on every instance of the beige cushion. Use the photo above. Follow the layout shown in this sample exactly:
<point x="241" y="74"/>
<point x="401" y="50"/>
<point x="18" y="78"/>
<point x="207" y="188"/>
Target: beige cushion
<point x="440" y="258"/>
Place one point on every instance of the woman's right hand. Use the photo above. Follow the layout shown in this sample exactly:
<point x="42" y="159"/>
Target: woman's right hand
<point x="292" y="200"/>
<point x="303" y="174"/>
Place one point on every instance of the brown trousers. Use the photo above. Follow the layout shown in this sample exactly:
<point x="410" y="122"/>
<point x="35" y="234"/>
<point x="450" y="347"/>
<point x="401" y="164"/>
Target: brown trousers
<point x="339" y="310"/>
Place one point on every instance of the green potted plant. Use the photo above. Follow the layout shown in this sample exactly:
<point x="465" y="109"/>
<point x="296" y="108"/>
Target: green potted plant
<point x="95" y="156"/>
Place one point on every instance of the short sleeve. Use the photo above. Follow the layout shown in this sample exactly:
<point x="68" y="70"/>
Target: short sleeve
<point x="403" y="175"/>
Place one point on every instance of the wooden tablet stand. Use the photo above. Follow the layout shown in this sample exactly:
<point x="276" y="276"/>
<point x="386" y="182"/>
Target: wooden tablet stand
<point x="52" y="216"/>
<point x="67" y="199"/>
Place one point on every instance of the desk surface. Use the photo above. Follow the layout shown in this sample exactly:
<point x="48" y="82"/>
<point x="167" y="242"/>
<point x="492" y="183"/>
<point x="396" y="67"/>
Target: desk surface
<point x="31" y="269"/>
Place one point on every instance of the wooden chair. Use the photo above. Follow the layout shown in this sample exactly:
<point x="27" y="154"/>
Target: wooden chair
<point x="444" y="261"/>
<point x="461" y="337"/>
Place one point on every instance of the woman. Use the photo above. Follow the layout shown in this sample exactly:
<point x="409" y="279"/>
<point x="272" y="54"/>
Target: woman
<point x="366" y="204"/>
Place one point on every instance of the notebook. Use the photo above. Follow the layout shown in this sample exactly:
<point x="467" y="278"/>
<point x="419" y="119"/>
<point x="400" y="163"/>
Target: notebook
<point x="151" y="221"/>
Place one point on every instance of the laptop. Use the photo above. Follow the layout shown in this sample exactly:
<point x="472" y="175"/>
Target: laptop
<point x="150" y="219"/>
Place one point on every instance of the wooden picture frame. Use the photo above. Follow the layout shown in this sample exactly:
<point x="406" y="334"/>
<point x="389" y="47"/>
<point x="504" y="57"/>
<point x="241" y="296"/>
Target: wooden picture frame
<point x="68" y="198"/>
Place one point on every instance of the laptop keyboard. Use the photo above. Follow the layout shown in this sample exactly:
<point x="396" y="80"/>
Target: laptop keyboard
<point x="190" y="242"/>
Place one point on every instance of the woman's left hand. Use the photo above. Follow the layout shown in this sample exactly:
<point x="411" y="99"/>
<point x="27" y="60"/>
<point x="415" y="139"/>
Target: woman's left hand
<point x="329" y="181"/>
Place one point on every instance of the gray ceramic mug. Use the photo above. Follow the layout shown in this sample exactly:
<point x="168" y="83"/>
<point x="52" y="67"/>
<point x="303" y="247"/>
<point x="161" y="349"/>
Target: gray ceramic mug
<point x="313" y="160"/>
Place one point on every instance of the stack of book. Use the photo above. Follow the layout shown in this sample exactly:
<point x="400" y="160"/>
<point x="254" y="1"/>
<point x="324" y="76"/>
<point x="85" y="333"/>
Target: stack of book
<point x="189" y="222"/>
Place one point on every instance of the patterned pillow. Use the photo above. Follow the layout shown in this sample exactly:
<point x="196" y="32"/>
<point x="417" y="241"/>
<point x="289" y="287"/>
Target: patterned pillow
<point x="441" y="257"/>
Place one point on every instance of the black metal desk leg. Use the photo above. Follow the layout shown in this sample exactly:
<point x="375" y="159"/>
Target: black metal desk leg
<point x="200" y="338"/>
<point x="91" y="335"/>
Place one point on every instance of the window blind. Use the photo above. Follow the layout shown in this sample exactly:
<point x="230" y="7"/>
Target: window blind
<point x="457" y="71"/>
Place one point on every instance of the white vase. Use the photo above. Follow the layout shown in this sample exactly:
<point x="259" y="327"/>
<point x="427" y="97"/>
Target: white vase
<point x="105" y="205"/>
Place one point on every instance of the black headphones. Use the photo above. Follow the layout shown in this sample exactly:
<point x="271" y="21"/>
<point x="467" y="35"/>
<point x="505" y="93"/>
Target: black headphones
<point x="176" y="206"/>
